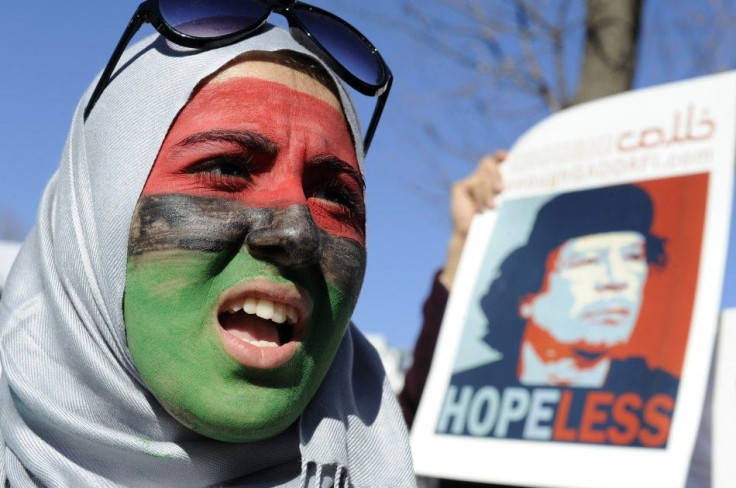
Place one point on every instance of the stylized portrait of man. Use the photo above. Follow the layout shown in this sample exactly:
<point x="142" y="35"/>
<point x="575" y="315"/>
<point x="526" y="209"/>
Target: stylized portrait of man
<point x="562" y="303"/>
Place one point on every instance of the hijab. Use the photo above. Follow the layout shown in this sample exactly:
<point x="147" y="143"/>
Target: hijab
<point x="73" y="409"/>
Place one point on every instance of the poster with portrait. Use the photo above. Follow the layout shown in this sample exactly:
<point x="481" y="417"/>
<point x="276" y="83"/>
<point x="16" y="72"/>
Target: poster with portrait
<point x="577" y="341"/>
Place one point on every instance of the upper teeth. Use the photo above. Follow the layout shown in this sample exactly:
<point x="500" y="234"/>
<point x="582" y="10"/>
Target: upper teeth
<point x="266" y="309"/>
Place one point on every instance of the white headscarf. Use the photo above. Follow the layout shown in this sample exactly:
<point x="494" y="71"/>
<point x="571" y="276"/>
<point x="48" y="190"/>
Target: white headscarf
<point x="73" y="409"/>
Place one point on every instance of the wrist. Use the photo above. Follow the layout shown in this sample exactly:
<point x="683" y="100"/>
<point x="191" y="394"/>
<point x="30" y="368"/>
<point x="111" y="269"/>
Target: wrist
<point x="454" y="251"/>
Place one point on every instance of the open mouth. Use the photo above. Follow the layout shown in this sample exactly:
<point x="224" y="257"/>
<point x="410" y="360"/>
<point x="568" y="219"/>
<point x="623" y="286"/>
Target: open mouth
<point x="260" y="322"/>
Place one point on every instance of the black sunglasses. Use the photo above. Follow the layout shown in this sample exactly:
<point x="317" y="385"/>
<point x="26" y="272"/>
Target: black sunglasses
<point x="216" y="23"/>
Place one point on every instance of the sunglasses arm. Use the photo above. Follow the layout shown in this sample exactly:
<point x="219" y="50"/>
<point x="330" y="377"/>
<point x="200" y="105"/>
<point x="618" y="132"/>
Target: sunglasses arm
<point x="141" y="15"/>
<point x="380" y="103"/>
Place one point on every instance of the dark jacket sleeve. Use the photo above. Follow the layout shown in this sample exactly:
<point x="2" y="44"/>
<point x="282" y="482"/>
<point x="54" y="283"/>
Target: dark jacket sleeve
<point x="416" y="376"/>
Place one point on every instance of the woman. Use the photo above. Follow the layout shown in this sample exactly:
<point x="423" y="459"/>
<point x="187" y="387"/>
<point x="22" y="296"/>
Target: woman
<point x="179" y="315"/>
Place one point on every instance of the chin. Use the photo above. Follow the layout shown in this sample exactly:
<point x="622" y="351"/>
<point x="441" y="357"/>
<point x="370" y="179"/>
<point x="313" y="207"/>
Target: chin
<point x="252" y="419"/>
<point x="238" y="432"/>
<point x="609" y="337"/>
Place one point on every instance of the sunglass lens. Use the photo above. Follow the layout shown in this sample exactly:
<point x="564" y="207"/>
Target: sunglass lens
<point x="213" y="18"/>
<point x="344" y="44"/>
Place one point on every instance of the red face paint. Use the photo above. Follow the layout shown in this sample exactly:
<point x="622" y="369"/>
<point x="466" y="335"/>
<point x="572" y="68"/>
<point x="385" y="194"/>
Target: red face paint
<point x="293" y="149"/>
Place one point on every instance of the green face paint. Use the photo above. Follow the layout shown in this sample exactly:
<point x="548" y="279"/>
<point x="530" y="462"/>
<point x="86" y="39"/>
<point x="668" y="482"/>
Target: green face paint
<point x="171" y="304"/>
<point x="205" y="239"/>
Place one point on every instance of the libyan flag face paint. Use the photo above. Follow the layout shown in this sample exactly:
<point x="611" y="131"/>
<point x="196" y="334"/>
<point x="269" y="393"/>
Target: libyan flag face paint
<point x="246" y="253"/>
<point x="187" y="269"/>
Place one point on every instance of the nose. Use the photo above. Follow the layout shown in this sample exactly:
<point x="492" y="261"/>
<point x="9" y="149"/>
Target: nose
<point x="290" y="238"/>
<point x="615" y="276"/>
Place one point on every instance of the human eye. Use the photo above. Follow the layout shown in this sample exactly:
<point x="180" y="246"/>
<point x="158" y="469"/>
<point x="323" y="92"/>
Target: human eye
<point x="340" y="196"/>
<point x="582" y="259"/>
<point x="335" y="195"/>
<point x="225" y="172"/>
<point x="636" y="253"/>
<point x="336" y="204"/>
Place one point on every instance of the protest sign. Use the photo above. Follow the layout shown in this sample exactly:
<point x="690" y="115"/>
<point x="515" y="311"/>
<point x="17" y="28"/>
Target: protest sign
<point x="577" y="342"/>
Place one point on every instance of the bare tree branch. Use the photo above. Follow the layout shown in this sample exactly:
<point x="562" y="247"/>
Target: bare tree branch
<point x="530" y="57"/>
<point x="559" y="54"/>
<point x="522" y="59"/>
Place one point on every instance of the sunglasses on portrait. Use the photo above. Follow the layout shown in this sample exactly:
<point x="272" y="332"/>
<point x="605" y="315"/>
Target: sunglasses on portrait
<point x="216" y="23"/>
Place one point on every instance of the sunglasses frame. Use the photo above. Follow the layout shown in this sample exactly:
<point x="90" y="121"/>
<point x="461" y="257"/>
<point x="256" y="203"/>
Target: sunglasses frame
<point x="149" y="12"/>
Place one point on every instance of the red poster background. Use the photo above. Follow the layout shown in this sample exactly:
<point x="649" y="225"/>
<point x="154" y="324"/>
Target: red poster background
<point x="664" y="323"/>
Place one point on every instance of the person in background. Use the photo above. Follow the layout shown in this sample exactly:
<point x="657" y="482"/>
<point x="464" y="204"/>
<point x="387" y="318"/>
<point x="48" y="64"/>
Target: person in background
<point x="469" y="196"/>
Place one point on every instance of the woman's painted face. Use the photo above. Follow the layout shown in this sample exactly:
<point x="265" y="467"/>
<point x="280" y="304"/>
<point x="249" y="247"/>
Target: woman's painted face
<point x="246" y="253"/>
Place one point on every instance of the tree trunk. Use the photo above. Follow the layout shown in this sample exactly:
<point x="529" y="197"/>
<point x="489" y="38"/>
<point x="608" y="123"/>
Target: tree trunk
<point x="609" y="62"/>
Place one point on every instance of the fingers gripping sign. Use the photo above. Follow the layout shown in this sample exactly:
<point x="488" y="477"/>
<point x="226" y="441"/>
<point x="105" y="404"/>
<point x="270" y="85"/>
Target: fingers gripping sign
<point x="470" y="196"/>
<point x="476" y="192"/>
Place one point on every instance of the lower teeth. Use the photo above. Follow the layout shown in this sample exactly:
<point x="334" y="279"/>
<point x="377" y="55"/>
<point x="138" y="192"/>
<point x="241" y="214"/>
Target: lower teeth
<point x="263" y="343"/>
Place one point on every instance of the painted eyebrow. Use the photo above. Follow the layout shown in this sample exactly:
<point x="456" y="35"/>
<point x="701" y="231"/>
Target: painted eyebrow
<point x="248" y="140"/>
<point x="337" y="165"/>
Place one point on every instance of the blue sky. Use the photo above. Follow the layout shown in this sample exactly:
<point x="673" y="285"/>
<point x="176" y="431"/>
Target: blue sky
<point x="51" y="50"/>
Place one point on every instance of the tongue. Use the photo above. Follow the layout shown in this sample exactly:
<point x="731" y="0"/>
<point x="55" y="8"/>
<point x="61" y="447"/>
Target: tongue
<point x="250" y="327"/>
